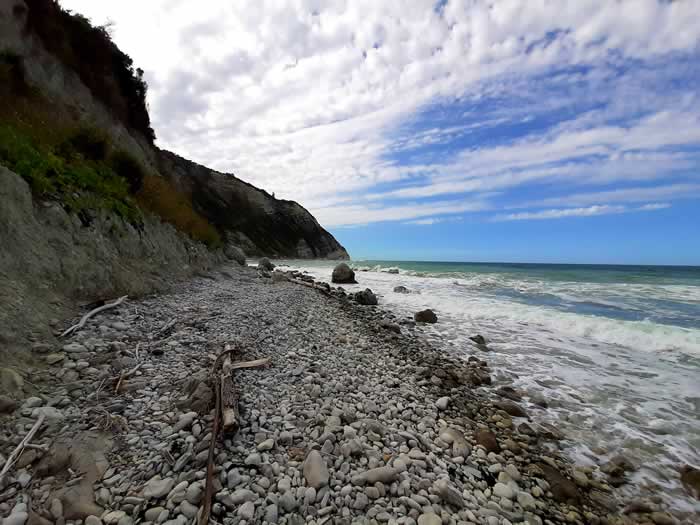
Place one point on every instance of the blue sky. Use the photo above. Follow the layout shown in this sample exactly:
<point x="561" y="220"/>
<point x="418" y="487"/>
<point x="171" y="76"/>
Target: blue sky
<point x="458" y="130"/>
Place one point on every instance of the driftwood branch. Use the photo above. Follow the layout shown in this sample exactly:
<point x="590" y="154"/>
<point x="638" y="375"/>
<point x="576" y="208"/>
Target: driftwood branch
<point x="229" y="397"/>
<point x="126" y="375"/>
<point x="225" y="413"/>
<point x="17" y="452"/>
<point x="167" y="326"/>
<point x="92" y="313"/>
<point x="251" y="364"/>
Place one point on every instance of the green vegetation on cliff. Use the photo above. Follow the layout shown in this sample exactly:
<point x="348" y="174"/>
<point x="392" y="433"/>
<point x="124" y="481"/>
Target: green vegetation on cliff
<point x="85" y="173"/>
<point x="88" y="50"/>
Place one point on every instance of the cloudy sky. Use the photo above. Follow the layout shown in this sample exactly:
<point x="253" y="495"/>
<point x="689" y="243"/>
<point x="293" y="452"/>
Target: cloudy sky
<point x="461" y="129"/>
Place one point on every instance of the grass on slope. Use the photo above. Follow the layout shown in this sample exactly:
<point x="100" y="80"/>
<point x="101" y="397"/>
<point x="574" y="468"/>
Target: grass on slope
<point x="84" y="173"/>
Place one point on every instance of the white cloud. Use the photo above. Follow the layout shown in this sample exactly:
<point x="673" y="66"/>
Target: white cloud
<point x="353" y="215"/>
<point x="424" y="222"/>
<point x="589" y="211"/>
<point x="307" y="98"/>
<point x="654" y="206"/>
<point x="672" y="191"/>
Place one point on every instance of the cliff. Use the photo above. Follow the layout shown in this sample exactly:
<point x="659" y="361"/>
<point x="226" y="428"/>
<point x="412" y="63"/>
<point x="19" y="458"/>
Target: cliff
<point x="84" y="79"/>
<point x="250" y="217"/>
<point x="90" y="207"/>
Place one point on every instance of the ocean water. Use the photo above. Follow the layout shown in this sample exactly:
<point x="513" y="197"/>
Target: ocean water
<point x="615" y="350"/>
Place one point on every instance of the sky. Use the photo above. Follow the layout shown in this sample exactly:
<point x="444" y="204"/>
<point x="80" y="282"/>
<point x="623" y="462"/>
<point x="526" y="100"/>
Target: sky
<point x="462" y="130"/>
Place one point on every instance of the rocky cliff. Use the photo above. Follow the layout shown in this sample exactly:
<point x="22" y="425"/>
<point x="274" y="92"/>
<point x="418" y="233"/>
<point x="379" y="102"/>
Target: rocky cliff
<point x="250" y="217"/>
<point x="89" y="206"/>
<point x="86" y="79"/>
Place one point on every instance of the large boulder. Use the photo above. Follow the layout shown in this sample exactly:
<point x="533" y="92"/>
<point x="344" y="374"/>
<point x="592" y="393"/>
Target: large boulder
<point x="401" y="289"/>
<point x="342" y="273"/>
<point x="265" y="264"/>
<point x="366" y="297"/>
<point x="425" y="316"/>
<point x="235" y="254"/>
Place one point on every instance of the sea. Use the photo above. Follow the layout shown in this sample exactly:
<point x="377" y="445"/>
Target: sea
<point x="614" y="350"/>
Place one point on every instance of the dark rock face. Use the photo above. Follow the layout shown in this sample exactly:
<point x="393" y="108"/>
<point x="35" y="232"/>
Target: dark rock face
<point x="401" y="289"/>
<point x="425" y="316"/>
<point x="249" y="217"/>
<point x="342" y="273"/>
<point x="366" y="297"/>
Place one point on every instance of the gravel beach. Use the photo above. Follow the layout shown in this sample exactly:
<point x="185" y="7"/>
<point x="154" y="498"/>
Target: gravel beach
<point x="356" y="419"/>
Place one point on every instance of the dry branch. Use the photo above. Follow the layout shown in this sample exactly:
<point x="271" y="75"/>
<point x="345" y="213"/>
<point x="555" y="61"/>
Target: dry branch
<point x="17" y="452"/>
<point x="92" y="313"/>
<point x="229" y="398"/>
<point x="225" y="413"/>
<point x="126" y="375"/>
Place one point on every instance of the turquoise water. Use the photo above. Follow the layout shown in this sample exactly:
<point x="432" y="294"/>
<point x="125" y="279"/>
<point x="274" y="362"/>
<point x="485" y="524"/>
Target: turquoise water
<point x="663" y="294"/>
<point x="615" y="350"/>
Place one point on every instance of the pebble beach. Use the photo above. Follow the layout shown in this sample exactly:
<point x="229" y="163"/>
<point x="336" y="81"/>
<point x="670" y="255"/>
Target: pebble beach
<point x="357" y="418"/>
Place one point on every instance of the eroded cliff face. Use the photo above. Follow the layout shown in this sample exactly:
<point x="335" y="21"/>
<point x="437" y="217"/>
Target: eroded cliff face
<point x="250" y="217"/>
<point x="51" y="259"/>
<point x="243" y="214"/>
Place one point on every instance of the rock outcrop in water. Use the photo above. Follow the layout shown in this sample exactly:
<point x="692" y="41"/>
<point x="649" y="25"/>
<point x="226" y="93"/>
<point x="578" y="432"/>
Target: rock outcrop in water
<point x="343" y="274"/>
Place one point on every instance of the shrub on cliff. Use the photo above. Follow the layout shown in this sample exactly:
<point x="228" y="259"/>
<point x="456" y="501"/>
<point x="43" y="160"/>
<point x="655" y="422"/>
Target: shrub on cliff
<point x="159" y="196"/>
<point x="89" y="51"/>
<point x="81" y="174"/>
<point x="88" y="142"/>
<point x="128" y="167"/>
<point x="79" y="183"/>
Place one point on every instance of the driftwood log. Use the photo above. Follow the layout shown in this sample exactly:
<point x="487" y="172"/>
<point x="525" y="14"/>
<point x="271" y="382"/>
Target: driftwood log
<point x="229" y="396"/>
<point x="225" y="414"/>
<point x="17" y="452"/>
<point x="92" y="313"/>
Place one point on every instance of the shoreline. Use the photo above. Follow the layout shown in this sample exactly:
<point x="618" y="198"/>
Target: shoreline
<point x="448" y="448"/>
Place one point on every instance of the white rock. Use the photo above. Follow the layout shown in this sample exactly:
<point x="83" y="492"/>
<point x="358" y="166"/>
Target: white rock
<point x="253" y="459"/>
<point x="284" y="485"/>
<point x="50" y="413"/>
<point x="513" y="471"/>
<point x="442" y="403"/>
<point x="526" y="500"/>
<point x="242" y="495"/>
<point x="16" y="518"/>
<point x="188" y="509"/>
<point x="429" y="518"/>
<point x="157" y="487"/>
<point x="247" y="510"/>
<point x="74" y="348"/>
<point x="33" y="402"/>
<point x="502" y="491"/>
<point x="112" y="518"/>
<point x="268" y="444"/>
